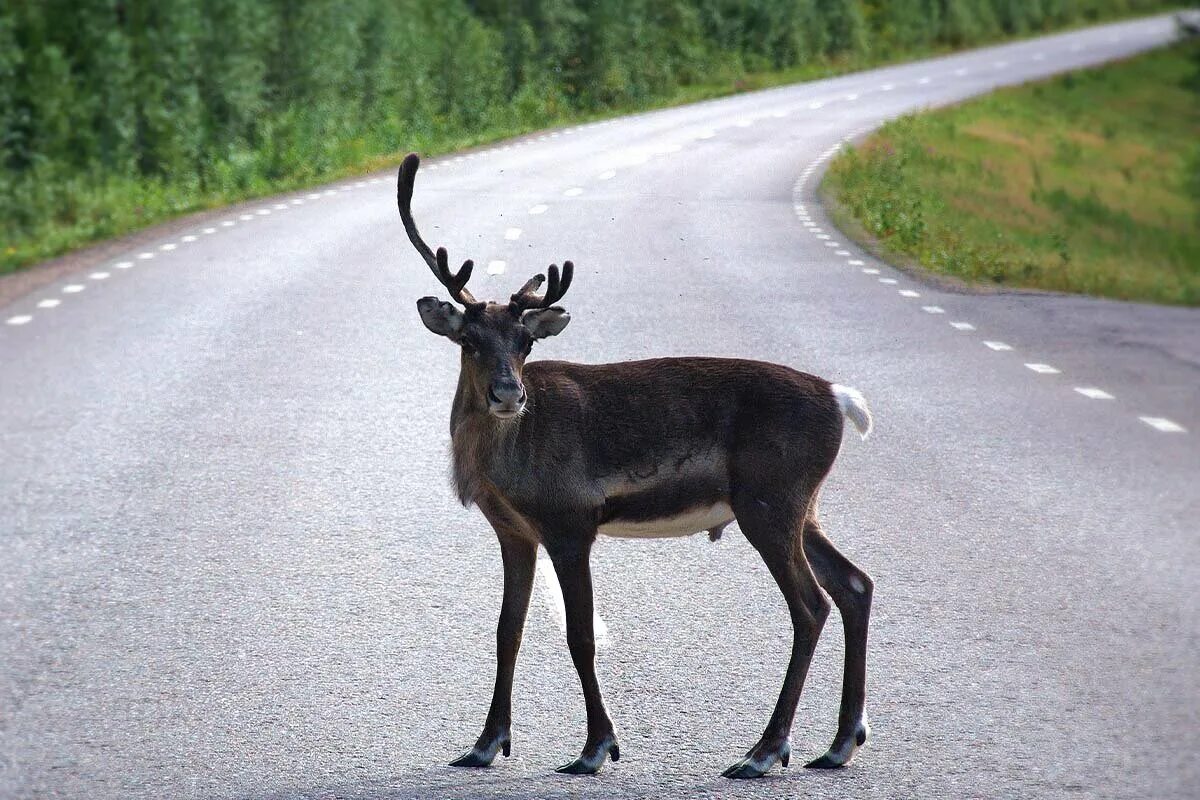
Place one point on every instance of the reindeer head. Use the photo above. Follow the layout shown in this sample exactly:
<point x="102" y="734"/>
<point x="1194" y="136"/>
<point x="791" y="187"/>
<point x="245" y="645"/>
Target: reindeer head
<point x="495" y="337"/>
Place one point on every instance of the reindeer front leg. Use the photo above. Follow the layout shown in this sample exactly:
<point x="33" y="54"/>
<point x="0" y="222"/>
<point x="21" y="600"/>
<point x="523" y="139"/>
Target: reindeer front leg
<point x="575" y="576"/>
<point x="520" y="561"/>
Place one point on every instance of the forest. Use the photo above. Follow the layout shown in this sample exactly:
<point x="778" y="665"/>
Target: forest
<point x="118" y="113"/>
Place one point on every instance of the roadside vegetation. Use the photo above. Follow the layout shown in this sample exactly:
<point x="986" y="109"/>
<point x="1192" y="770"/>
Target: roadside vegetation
<point x="115" y="115"/>
<point x="1088" y="183"/>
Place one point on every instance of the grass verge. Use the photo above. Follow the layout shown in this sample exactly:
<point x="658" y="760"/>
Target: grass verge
<point x="1089" y="182"/>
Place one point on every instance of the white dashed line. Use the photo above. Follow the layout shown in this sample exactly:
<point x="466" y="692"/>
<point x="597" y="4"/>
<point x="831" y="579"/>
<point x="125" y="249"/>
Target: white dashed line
<point x="20" y="319"/>
<point x="207" y="231"/>
<point x="329" y="193"/>
<point x="998" y="346"/>
<point x="1043" y="369"/>
<point x="870" y="271"/>
<point x="574" y="191"/>
<point x="189" y="238"/>
<point x="496" y="267"/>
<point x="962" y="326"/>
<point x="933" y="309"/>
<point x="820" y="235"/>
<point x="145" y="256"/>
<point x="888" y="281"/>
<point x="123" y="265"/>
<point x="842" y="253"/>
<point x="168" y="247"/>
<point x="856" y="262"/>
<point x="228" y="223"/>
<point x="852" y="97"/>
<point x="49" y="302"/>
<point x="317" y="195"/>
<point x="246" y="217"/>
<point x="1163" y="424"/>
<point x="262" y="212"/>
<point x="924" y="80"/>
<point x="99" y="276"/>
<point x="1093" y="393"/>
<point x="512" y="234"/>
<point x="73" y="288"/>
<point x="887" y="87"/>
<point x="606" y="175"/>
<point x="282" y="206"/>
<point x="299" y="201"/>
<point x="540" y="208"/>
<point x="909" y="293"/>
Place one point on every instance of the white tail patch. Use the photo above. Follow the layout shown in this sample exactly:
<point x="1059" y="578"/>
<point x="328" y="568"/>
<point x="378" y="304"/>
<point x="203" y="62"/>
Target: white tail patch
<point x="854" y="407"/>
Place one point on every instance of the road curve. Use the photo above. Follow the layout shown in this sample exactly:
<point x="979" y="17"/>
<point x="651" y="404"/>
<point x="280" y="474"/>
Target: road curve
<point x="231" y="564"/>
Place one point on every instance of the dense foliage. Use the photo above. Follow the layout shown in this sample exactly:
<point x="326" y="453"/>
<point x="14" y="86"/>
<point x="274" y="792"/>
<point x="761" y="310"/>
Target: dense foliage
<point x="1083" y="183"/>
<point x="114" y="113"/>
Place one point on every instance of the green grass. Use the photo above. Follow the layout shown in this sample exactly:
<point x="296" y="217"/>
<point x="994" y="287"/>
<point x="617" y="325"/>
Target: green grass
<point x="90" y="207"/>
<point x="1084" y="183"/>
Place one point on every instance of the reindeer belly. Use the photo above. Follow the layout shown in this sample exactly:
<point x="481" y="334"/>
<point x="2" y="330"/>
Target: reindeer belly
<point x="684" y="523"/>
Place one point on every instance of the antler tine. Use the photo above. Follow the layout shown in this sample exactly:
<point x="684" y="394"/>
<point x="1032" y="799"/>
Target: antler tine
<point x="557" y="287"/>
<point x="456" y="282"/>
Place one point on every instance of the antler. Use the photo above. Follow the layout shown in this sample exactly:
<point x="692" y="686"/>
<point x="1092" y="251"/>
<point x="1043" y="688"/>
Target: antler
<point x="526" y="298"/>
<point x="456" y="282"/>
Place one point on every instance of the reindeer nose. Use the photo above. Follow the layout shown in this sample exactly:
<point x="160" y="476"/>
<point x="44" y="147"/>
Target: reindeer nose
<point x="506" y="399"/>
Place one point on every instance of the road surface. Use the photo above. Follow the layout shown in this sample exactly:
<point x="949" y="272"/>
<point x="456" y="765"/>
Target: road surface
<point x="232" y="565"/>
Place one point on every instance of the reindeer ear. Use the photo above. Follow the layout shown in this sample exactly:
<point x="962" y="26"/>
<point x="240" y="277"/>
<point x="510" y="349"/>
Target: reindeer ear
<point x="543" y="322"/>
<point x="441" y="317"/>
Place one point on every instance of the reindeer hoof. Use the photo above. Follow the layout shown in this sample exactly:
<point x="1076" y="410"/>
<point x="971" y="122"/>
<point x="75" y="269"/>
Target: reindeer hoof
<point x="842" y="751"/>
<point x="484" y="752"/>
<point x="592" y="758"/>
<point x="759" y="760"/>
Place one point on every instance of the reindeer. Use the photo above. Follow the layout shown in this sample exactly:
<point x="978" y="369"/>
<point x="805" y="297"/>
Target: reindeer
<point x="554" y="453"/>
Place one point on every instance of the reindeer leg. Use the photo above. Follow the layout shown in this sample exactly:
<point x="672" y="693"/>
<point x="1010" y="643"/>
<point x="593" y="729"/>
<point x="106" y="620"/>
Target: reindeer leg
<point x="520" y="560"/>
<point x="773" y="531"/>
<point x="851" y="590"/>
<point x="575" y="577"/>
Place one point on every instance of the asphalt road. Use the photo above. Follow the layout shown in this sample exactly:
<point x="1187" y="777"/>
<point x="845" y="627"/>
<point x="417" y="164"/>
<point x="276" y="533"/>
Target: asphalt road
<point x="231" y="564"/>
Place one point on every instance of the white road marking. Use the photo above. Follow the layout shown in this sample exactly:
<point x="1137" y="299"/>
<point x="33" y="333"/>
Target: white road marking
<point x="870" y="271"/>
<point x="207" y="231"/>
<point x="888" y="281"/>
<point x="246" y="217"/>
<point x="933" y="309"/>
<point x="554" y="599"/>
<point x="228" y="223"/>
<point x="842" y="253"/>
<point x="887" y="87"/>
<point x="73" y="288"/>
<point x="145" y="256"/>
<point x="856" y="262"/>
<point x="1093" y="393"/>
<point x="924" y="80"/>
<point x="1163" y="424"/>
<point x="19" y="319"/>
<point x="188" y="238"/>
<point x="99" y="276"/>
<point x="495" y="267"/>
<point x="540" y="208"/>
<point x="329" y="193"/>
<point x="262" y="212"/>
<point x="123" y="264"/>
<point x="299" y="201"/>
<point x="852" y="96"/>
<point x="49" y="302"/>
<point x="512" y="234"/>
<point x="998" y="346"/>
<point x="820" y="235"/>
<point x="606" y="175"/>
<point x="909" y="293"/>
<point x="962" y="326"/>
<point x="317" y="195"/>
<point x="281" y="206"/>
<point x="1043" y="369"/>
<point x="168" y="247"/>
<point x="574" y="191"/>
